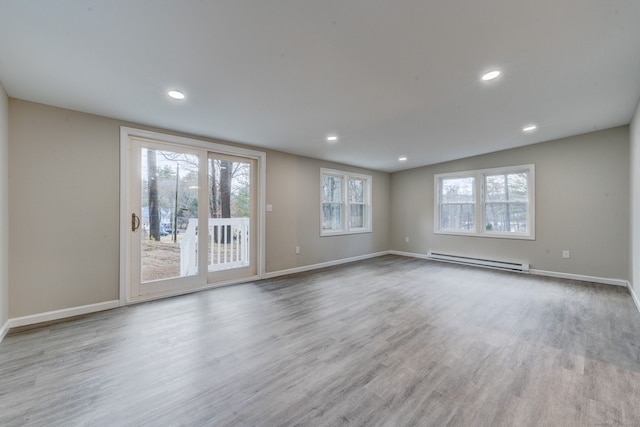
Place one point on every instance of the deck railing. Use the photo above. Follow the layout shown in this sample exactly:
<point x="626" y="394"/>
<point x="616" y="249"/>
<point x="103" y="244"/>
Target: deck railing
<point x="228" y="245"/>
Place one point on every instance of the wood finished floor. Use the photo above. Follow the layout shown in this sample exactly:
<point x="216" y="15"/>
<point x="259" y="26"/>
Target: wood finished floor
<point x="390" y="341"/>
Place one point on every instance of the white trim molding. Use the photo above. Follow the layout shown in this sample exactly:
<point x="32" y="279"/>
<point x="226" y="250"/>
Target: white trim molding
<point x="62" y="314"/>
<point x="346" y="202"/>
<point x="409" y="254"/>
<point x="108" y="305"/>
<point x="128" y="133"/>
<point x="634" y="296"/>
<point x="583" y="278"/>
<point x="3" y="330"/>
<point x="479" y="193"/>
<point x="558" y="275"/>
<point x="288" y="271"/>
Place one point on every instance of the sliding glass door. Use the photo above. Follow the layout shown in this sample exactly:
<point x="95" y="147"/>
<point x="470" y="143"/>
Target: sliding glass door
<point x="191" y="218"/>
<point x="231" y="246"/>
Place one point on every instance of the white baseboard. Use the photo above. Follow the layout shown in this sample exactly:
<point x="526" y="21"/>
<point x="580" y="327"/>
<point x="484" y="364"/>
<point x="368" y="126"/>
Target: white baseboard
<point x="108" y="305"/>
<point x="602" y="280"/>
<point x="273" y="274"/>
<point x="92" y="308"/>
<point x="409" y="254"/>
<point x="583" y="278"/>
<point x="3" y="330"/>
<point x="61" y="314"/>
<point x="634" y="296"/>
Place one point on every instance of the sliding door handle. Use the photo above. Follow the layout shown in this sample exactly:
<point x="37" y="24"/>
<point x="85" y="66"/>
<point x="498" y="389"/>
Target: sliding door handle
<point x="135" y="222"/>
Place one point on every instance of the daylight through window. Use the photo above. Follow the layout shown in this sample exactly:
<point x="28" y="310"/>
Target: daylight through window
<point x="488" y="203"/>
<point x="345" y="203"/>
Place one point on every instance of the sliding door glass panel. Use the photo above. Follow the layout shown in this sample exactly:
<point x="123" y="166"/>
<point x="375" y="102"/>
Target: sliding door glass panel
<point x="169" y="214"/>
<point x="231" y="228"/>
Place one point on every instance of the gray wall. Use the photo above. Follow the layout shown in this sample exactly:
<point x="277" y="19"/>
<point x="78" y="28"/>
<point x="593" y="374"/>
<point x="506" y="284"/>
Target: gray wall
<point x="582" y="204"/>
<point x="4" y="207"/>
<point x="634" y="263"/>
<point x="293" y="188"/>
<point x="64" y="207"/>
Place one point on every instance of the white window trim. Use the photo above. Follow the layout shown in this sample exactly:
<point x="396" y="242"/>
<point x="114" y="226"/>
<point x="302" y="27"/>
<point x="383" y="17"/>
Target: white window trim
<point x="479" y="218"/>
<point x="126" y="133"/>
<point x="345" y="176"/>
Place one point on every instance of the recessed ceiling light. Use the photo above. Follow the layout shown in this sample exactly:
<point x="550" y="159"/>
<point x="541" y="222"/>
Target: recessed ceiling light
<point x="176" y="94"/>
<point x="332" y="138"/>
<point x="491" y="75"/>
<point x="529" y="128"/>
<point x="402" y="159"/>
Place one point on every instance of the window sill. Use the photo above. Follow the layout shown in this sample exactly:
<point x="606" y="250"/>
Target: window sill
<point x="343" y="232"/>
<point x="494" y="235"/>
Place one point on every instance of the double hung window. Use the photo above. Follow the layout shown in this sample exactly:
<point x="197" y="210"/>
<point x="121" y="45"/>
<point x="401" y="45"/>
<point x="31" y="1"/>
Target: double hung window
<point x="345" y="203"/>
<point x="488" y="203"/>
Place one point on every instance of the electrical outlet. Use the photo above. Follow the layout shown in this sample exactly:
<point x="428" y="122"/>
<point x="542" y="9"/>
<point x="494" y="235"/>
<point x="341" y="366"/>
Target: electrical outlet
<point x="269" y="208"/>
<point x="297" y="249"/>
<point x="406" y="239"/>
<point x="566" y="254"/>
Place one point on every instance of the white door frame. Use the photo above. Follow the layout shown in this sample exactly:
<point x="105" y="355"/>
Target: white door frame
<point x="125" y="216"/>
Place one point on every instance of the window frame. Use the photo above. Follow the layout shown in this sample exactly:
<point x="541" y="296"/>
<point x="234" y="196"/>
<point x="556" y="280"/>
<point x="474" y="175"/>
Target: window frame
<point x="480" y="202"/>
<point x="346" y="203"/>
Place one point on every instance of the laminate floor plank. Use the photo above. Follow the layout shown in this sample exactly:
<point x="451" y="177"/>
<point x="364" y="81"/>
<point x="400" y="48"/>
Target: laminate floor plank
<point x="389" y="341"/>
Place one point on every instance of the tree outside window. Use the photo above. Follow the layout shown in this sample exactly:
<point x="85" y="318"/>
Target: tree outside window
<point x="501" y="199"/>
<point x="345" y="202"/>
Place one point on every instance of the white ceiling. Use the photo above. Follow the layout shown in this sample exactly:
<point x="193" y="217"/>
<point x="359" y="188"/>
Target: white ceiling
<point x="390" y="78"/>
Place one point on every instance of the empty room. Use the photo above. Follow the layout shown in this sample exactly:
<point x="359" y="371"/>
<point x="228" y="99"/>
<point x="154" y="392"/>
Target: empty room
<point x="319" y="213"/>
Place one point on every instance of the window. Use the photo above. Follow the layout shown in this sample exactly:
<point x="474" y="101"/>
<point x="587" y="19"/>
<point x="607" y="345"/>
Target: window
<point x="346" y="203"/>
<point x="506" y="202"/>
<point x="458" y="204"/>
<point x="486" y="203"/>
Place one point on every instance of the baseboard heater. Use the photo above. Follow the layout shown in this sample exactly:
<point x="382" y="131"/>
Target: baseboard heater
<point x="479" y="262"/>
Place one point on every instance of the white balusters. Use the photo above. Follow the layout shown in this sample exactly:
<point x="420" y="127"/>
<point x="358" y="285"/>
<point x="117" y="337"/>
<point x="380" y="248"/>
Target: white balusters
<point x="229" y="250"/>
